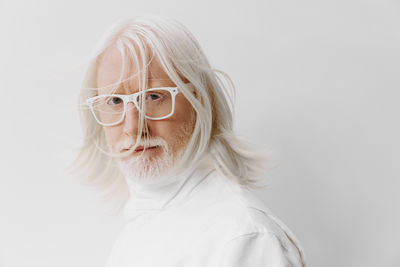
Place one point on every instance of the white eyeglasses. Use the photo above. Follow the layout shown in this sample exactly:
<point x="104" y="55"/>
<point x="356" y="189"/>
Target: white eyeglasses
<point x="109" y="110"/>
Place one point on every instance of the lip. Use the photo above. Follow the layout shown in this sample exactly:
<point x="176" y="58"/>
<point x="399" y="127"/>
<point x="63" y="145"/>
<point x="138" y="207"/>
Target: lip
<point x="142" y="148"/>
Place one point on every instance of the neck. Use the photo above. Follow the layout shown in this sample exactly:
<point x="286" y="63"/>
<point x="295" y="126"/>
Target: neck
<point x="161" y="192"/>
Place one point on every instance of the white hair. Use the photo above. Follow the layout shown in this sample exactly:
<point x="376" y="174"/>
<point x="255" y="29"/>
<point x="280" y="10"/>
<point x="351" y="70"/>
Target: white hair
<point x="182" y="59"/>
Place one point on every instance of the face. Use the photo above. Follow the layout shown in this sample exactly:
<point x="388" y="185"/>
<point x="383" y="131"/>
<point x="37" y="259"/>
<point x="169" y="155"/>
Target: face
<point x="162" y="140"/>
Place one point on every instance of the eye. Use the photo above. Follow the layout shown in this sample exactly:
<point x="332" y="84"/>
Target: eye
<point x="114" y="100"/>
<point x="153" y="96"/>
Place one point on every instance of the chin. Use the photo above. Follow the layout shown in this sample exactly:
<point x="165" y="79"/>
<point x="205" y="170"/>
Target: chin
<point x="146" y="165"/>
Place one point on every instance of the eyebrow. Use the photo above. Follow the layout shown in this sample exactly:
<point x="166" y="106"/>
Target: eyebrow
<point x="121" y="87"/>
<point x="121" y="91"/>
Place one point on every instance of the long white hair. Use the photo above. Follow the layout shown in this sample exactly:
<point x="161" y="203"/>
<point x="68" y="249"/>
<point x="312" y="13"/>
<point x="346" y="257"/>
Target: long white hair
<point x="182" y="59"/>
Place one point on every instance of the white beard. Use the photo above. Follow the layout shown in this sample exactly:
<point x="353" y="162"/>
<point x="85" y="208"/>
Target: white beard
<point x="148" y="169"/>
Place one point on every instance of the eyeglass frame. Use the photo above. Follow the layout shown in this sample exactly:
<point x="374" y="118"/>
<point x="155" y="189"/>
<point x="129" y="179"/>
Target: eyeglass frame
<point x="133" y="98"/>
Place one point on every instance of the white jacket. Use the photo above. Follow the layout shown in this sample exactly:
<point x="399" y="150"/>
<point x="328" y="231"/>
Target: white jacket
<point x="201" y="219"/>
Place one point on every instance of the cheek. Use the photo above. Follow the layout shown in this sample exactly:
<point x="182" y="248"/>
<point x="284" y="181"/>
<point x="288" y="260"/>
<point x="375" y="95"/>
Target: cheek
<point x="186" y="115"/>
<point x="112" y="135"/>
<point x="174" y="129"/>
<point x="182" y="123"/>
<point x="183" y="108"/>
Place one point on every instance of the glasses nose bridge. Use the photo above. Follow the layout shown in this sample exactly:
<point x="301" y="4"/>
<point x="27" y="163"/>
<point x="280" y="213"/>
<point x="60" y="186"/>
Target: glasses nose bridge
<point x="131" y="98"/>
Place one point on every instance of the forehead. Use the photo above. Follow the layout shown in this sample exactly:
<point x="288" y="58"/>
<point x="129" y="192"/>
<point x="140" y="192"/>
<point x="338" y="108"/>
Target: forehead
<point x="109" y="70"/>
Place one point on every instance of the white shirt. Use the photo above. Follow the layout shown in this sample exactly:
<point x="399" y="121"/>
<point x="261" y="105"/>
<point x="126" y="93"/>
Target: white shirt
<point x="201" y="219"/>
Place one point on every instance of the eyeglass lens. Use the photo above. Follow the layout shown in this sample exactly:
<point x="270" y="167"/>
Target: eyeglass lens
<point x="110" y="109"/>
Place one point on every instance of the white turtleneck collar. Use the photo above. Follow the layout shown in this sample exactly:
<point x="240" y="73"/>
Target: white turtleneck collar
<point x="165" y="191"/>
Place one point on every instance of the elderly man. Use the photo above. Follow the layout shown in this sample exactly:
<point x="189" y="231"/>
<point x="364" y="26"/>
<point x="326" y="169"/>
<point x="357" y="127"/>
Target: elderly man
<point x="159" y="138"/>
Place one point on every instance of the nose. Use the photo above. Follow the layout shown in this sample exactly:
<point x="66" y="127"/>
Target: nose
<point x="131" y="120"/>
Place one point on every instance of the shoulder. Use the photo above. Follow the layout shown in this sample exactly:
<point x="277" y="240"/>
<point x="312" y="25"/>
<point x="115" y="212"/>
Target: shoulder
<point x="260" y="249"/>
<point x="254" y="232"/>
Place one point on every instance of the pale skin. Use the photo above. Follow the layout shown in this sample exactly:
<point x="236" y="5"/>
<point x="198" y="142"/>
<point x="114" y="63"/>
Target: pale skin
<point x="109" y="70"/>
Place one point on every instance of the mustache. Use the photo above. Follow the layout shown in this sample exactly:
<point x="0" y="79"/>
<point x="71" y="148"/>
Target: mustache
<point x="128" y="144"/>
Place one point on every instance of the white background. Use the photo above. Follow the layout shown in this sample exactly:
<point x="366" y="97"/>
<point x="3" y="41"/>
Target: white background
<point x="318" y="86"/>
